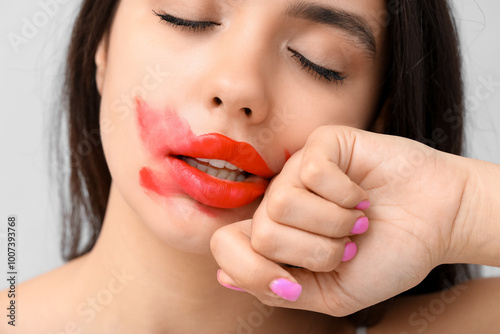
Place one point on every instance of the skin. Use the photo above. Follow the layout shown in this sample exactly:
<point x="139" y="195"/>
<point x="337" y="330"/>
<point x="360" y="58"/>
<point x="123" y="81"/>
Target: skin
<point x="163" y="246"/>
<point x="410" y="233"/>
<point x="468" y="308"/>
<point x="167" y="252"/>
<point x="198" y="72"/>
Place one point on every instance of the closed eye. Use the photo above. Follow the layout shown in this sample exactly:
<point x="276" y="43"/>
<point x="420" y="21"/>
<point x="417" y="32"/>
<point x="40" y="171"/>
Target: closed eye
<point x="191" y="25"/>
<point x="318" y="71"/>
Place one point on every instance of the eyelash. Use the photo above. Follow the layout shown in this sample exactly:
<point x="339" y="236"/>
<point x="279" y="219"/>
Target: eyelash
<point x="191" y="25"/>
<point x="317" y="71"/>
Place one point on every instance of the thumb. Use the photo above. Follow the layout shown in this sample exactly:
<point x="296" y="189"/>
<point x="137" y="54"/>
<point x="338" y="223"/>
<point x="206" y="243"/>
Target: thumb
<point x="243" y="269"/>
<point x="320" y="293"/>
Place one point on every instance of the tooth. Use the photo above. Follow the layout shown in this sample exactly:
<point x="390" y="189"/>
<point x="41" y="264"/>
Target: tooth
<point x="231" y="166"/>
<point x="220" y="173"/>
<point x="217" y="163"/>
<point x="203" y="160"/>
<point x="191" y="162"/>
<point x="203" y="168"/>
<point x="212" y="171"/>
<point x="223" y="174"/>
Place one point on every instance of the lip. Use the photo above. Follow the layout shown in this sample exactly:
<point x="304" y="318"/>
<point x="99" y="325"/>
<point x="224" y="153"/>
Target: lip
<point x="213" y="191"/>
<point x="217" y="146"/>
<point x="168" y="136"/>
<point x="216" y="192"/>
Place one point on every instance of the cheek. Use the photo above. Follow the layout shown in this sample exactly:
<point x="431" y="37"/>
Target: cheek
<point x="176" y="221"/>
<point x="315" y="103"/>
<point x="310" y="109"/>
<point x="121" y="145"/>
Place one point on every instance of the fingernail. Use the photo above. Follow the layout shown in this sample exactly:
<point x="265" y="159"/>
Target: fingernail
<point x="227" y="285"/>
<point x="286" y="289"/>
<point x="363" y="205"/>
<point x="350" y="251"/>
<point x="361" y="226"/>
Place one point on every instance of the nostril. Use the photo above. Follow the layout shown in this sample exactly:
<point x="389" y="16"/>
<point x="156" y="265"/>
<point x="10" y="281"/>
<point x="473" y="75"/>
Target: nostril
<point x="248" y="111"/>
<point x="217" y="101"/>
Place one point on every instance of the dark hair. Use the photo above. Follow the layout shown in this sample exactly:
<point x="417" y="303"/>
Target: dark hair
<point x="84" y="192"/>
<point x="424" y="88"/>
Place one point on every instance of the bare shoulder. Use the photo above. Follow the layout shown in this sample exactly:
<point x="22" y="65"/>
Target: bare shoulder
<point x="42" y="303"/>
<point x="455" y="310"/>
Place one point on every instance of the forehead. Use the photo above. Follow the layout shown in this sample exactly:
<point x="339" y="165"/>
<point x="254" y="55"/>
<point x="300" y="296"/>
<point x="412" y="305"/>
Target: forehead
<point x="364" y="22"/>
<point x="353" y="15"/>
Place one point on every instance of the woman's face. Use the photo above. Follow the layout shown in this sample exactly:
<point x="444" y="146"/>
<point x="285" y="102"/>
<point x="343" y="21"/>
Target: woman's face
<point x="243" y="82"/>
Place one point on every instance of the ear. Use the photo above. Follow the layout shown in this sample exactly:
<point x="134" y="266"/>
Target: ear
<point x="101" y="58"/>
<point x="380" y="121"/>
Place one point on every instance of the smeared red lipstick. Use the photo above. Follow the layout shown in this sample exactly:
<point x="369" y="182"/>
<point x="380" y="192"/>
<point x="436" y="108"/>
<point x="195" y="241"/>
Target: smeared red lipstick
<point x="169" y="138"/>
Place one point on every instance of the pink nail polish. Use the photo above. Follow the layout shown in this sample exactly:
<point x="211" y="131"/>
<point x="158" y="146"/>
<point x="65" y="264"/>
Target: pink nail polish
<point x="227" y="285"/>
<point x="361" y="226"/>
<point x="286" y="289"/>
<point x="363" y="205"/>
<point x="350" y="251"/>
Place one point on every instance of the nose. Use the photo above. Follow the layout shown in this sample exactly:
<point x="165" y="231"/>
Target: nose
<point x="236" y="85"/>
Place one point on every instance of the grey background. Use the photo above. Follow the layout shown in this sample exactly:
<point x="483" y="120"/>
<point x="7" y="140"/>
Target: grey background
<point x="28" y="93"/>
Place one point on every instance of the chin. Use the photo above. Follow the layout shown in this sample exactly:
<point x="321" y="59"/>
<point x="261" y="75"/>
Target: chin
<point x="187" y="225"/>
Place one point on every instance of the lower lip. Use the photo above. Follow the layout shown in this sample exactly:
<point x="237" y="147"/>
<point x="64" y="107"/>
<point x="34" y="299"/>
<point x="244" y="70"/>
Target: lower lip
<point x="207" y="189"/>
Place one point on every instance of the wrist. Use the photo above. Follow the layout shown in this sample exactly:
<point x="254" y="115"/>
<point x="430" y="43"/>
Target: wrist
<point x="475" y="235"/>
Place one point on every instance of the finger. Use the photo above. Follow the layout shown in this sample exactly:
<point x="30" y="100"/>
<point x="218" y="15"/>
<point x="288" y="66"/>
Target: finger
<point x="304" y="210"/>
<point x="321" y="292"/>
<point x="324" y="165"/>
<point x="283" y="244"/>
<point x="268" y="281"/>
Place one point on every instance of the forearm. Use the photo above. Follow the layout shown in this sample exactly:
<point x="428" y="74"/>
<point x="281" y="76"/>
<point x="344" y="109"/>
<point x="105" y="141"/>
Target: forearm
<point x="471" y="307"/>
<point x="476" y="231"/>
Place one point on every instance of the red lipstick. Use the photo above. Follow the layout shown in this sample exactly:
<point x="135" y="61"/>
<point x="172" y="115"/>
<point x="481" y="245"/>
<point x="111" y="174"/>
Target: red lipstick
<point x="169" y="138"/>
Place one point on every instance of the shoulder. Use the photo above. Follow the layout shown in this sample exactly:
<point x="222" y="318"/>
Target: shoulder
<point x="455" y="310"/>
<point x="46" y="297"/>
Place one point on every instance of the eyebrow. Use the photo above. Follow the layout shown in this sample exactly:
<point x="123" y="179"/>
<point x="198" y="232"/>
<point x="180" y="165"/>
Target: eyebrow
<point x="348" y="22"/>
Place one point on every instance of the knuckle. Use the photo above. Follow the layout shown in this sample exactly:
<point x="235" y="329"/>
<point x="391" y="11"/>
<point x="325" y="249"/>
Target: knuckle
<point x="217" y="241"/>
<point x="331" y="263"/>
<point x="278" y="204"/>
<point x="311" y="173"/>
<point x="342" y="224"/>
<point x="262" y="241"/>
<point x="336" y="229"/>
<point x="311" y="263"/>
<point x="320" y="132"/>
<point x="349" y="195"/>
<point x="324" y="259"/>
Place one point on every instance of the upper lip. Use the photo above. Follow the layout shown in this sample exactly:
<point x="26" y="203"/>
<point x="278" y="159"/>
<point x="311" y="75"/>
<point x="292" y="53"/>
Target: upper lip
<point x="220" y="147"/>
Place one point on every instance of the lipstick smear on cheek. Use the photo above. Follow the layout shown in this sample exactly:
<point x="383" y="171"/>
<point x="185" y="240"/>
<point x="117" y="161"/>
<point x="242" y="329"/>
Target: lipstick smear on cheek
<point x="151" y="182"/>
<point x="165" y="132"/>
<point x="152" y="127"/>
<point x="151" y="130"/>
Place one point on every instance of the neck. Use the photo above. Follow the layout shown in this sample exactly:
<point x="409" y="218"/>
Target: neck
<point x="161" y="289"/>
<point x="157" y="285"/>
